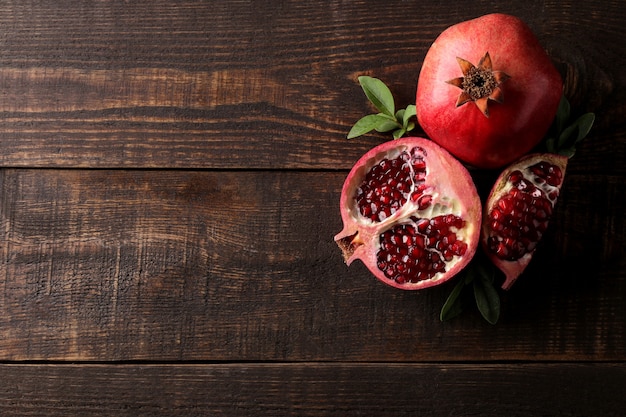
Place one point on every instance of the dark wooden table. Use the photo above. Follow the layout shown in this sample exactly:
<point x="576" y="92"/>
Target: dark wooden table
<point x="170" y="178"/>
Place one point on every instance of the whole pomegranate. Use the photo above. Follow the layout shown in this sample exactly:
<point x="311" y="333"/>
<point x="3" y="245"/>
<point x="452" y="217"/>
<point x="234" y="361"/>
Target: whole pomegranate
<point x="487" y="91"/>
<point x="411" y="213"/>
<point x="518" y="210"/>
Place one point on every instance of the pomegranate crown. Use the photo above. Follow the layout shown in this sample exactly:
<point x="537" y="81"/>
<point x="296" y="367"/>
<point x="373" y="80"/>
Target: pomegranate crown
<point x="479" y="84"/>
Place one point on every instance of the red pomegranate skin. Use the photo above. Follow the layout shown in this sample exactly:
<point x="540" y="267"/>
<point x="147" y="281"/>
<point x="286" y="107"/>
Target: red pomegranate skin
<point x="440" y="206"/>
<point x="530" y="96"/>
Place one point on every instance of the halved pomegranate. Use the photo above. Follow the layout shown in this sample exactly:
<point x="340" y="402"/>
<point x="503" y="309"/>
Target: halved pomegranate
<point x="411" y="213"/>
<point x="518" y="210"/>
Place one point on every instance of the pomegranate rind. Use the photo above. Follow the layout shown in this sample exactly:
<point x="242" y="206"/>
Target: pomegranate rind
<point x="513" y="269"/>
<point x="531" y="96"/>
<point x="453" y="192"/>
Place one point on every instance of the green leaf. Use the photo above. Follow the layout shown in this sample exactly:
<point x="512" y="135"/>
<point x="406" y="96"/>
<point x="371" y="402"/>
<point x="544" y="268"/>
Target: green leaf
<point x="410" y="126"/>
<point x="487" y="298"/>
<point x="397" y="134"/>
<point x="568" y="152"/>
<point x="584" y="123"/>
<point x="408" y="113"/>
<point x="366" y="124"/>
<point x="562" y="114"/>
<point x="400" y="114"/>
<point x="551" y="145"/>
<point x="453" y="306"/>
<point x="582" y="126"/>
<point x="379" y="94"/>
<point x="565" y="135"/>
<point x="387" y="126"/>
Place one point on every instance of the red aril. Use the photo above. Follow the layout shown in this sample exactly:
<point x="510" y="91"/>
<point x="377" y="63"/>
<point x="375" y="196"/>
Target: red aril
<point x="487" y="91"/>
<point x="411" y="213"/>
<point x="518" y="210"/>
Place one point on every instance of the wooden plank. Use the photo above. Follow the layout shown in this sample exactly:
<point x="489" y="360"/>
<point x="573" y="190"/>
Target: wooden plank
<point x="103" y="265"/>
<point x="313" y="389"/>
<point x="190" y="85"/>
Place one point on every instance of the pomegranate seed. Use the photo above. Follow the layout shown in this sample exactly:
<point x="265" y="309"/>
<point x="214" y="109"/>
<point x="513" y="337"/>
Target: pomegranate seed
<point x="538" y="169"/>
<point x="424" y="202"/>
<point x="416" y="252"/>
<point x="515" y="177"/>
<point x="501" y="250"/>
<point x="537" y="193"/>
<point x="418" y="153"/>
<point x="423" y="226"/>
<point x="505" y="205"/>
<point x="524" y="185"/>
<point x="419" y="165"/>
<point x="459" y="248"/>
<point x="497" y="226"/>
<point x="421" y="249"/>
<point x="389" y="182"/>
<point x="555" y="180"/>
<point x="419" y="241"/>
<point x="549" y="173"/>
<point x="520" y="217"/>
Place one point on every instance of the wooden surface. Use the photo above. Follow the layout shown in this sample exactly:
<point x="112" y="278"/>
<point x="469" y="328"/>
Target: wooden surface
<point x="170" y="176"/>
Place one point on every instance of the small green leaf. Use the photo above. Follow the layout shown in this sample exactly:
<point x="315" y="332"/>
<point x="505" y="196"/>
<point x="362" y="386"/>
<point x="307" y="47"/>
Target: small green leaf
<point x="397" y="134"/>
<point x="551" y="145"/>
<point x="387" y="126"/>
<point x="408" y="113"/>
<point x="410" y="126"/>
<point x="453" y="306"/>
<point x="366" y="124"/>
<point x="562" y="114"/>
<point x="379" y="94"/>
<point x="582" y="127"/>
<point x="568" y="152"/>
<point x="584" y="123"/>
<point x="487" y="298"/>
<point x="565" y="135"/>
<point x="400" y="114"/>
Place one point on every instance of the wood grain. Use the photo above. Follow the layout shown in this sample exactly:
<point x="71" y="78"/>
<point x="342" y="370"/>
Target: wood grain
<point x="188" y="85"/>
<point x="201" y="265"/>
<point x="313" y="389"/>
<point x="169" y="183"/>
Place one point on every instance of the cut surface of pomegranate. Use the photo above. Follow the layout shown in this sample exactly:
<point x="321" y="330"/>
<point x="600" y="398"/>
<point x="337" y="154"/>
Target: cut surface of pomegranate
<point x="518" y="211"/>
<point x="411" y="213"/>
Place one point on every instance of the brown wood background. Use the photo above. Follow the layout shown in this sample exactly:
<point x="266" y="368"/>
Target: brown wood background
<point x="170" y="175"/>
